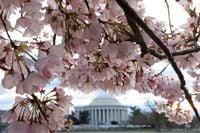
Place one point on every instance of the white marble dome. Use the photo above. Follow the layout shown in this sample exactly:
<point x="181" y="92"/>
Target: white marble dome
<point x="105" y="100"/>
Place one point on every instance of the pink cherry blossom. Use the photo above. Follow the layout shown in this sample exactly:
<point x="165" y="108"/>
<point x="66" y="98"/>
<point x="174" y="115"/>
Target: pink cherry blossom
<point x="18" y="127"/>
<point x="180" y="117"/>
<point x="36" y="128"/>
<point x="11" y="79"/>
<point x="9" y="116"/>
<point x="33" y="83"/>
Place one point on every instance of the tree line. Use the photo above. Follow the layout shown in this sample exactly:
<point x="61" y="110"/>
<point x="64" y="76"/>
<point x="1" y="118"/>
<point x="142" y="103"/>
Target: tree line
<point x="140" y="118"/>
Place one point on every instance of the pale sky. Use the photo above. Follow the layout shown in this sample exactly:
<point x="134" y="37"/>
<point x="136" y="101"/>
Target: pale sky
<point x="156" y="8"/>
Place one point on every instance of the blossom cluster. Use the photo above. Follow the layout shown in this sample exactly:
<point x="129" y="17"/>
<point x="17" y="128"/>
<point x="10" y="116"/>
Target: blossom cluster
<point x="41" y="112"/>
<point x="175" y="112"/>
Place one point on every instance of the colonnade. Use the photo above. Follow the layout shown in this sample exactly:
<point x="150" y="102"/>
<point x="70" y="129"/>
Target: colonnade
<point x="106" y="115"/>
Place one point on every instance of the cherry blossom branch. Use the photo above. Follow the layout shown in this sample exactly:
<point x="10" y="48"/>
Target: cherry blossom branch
<point x="39" y="107"/>
<point x="178" y="53"/>
<point x="196" y="37"/>
<point x="139" y="39"/>
<point x="161" y="71"/>
<point x="129" y="12"/>
<point x="54" y="39"/>
<point x="87" y="4"/>
<point x="156" y="54"/>
<point x="169" y="18"/>
<point x="6" y="29"/>
<point x="10" y="39"/>
<point x="185" y="52"/>
<point x="31" y="56"/>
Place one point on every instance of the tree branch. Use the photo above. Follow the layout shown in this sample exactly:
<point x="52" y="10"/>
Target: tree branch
<point x="139" y="39"/>
<point x="87" y="4"/>
<point x="54" y="39"/>
<point x="169" y="18"/>
<point x="161" y="71"/>
<point x="178" y="53"/>
<point x="6" y="29"/>
<point x="131" y="13"/>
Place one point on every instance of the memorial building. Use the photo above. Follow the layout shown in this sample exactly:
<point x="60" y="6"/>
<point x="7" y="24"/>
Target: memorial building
<point x="105" y="110"/>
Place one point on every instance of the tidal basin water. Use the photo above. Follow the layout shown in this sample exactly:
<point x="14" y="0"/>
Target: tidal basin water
<point x="131" y="132"/>
<point x="105" y="132"/>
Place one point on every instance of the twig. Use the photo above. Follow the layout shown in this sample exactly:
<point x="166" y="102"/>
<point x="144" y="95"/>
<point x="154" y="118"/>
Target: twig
<point x="169" y="18"/>
<point x="31" y="56"/>
<point x="161" y="70"/>
<point x="6" y="29"/>
<point x="54" y="39"/>
<point x="196" y="37"/>
<point x="87" y="4"/>
<point x="131" y="13"/>
<point x="156" y="54"/>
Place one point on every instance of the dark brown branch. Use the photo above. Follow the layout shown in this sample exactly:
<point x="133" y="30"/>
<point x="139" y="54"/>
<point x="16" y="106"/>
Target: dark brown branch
<point x="87" y="4"/>
<point x="6" y="29"/>
<point x="10" y="39"/>
<point x="54" y="39"/>
<point x="131" y="13"/>
<point x="196" y="37"/>
<point x="187" y="51"/>
<point x="156" y="54"/>
<point x="178" y="53"/>
<point x="139" y="39"/>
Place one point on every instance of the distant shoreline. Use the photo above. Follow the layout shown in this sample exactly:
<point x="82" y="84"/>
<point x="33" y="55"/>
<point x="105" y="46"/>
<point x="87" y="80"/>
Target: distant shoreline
<point x="135" y="131"/>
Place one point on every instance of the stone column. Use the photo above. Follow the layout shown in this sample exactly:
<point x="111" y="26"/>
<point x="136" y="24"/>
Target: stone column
<point x="95" y="116"/>
<point x="124" y="116"/>
<point x="112" y="114"/>
<point x="120" y="115"/>
<point x="89" y="110"/>
<point x="115" y="114"/>
<point x="78" y="113"/>
<point x="104" y="116"/>
<point x="92" y="116"/>
<point x="100" y="116"/>
<point x="108" y="116"/>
